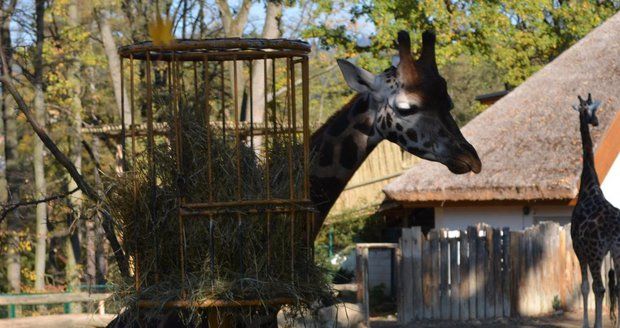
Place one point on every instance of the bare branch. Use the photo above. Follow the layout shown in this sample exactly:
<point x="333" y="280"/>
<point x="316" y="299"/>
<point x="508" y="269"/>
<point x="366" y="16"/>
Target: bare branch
<point x="8" y="208"/>
<point x="68" y="165"/>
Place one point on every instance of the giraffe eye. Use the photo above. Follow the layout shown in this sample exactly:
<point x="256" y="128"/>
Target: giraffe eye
<point x="408" y="109"/>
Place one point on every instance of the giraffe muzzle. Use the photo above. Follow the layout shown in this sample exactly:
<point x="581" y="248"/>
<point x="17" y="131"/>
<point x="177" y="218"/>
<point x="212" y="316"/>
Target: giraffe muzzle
<point x="466" y="162"/>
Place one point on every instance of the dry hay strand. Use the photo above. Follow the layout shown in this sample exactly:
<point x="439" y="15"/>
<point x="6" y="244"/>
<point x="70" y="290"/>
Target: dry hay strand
<point x="237" y="254"/>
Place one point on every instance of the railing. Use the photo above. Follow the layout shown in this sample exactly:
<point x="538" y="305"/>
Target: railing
<point x="15" y="301"/>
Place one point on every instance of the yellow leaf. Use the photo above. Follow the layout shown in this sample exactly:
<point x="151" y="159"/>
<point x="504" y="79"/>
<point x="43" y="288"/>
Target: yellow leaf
<point x="161" y="31"/>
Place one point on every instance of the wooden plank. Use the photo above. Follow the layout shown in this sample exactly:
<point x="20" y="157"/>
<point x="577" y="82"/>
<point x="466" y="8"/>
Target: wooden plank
<point x="405" y="304"/>
<point x="528" y="300"/>
<point x="416" y="253"/>
<point x="472" y="237"/>
<point x="366" y="287"/>
<point x="427" y="277"/>
<point x="490" y="272"/>
<point x="515" y="269"/>
<point x="464" y="276"/>
<point x="481" y="264"/>
<point x="358" y="274"/>
<point x="454" y="292"/>
<point x="444" y="269"/>
<point x="435" y="275"/>
<point x="506" y="272"/>
<point x="497" y="273"/>
<point x="54" y="298"/>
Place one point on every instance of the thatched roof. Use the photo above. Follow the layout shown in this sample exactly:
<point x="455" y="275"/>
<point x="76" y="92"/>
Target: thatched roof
<point x="529" y="141"/>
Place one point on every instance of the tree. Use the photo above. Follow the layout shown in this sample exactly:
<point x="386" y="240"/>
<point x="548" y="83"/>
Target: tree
<point x="38" y="160"/>
<point x="12" y="193"/>
<point x="515" y="37"/>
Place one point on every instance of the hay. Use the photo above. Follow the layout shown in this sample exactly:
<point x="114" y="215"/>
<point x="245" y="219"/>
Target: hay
<point x="233" y="255"/>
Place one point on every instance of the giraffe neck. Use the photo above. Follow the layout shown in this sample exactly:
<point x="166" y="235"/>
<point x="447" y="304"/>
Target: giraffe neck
<point x="589" y="178"/>
<point x="341" y="145"/>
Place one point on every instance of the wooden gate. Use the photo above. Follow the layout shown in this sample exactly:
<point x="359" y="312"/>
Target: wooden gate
<point x="484" y="272"/>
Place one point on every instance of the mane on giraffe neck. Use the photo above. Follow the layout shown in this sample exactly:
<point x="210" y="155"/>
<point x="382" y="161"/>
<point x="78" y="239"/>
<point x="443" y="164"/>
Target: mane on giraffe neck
<point x="589" y="177"/>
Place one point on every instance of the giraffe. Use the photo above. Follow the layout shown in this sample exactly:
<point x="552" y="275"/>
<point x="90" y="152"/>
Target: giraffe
<point x="407" y="104"/>
<point x="595" y="224"/>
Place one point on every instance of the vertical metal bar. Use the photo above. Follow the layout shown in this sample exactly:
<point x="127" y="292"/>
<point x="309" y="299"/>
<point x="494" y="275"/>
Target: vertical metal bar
<point x="179" y="160"/>
<point x="223" y="100"/>
<point x="267" y="179"/>
<point x="306" y="145"/>
<point x="293" y="100"/>
<point x="289" y="141"/>
<point x="151" y="150"/>
<point x="195" y="82"/>
<point x="123" y="128"/>
<point x="273" y="92"/>
<point x="238" y="156"/>
<point x="133" y="161"/>
<point x="209" y="169"/>
<point x="252" y="109"/>
<point x="266" y="129"/>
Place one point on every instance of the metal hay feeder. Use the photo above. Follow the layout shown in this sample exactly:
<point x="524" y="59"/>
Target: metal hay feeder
<point x="207" y="72"/>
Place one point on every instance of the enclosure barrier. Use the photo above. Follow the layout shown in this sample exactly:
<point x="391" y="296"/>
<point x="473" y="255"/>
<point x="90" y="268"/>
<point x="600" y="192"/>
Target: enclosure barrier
<point x="484" y="272"/>
<point x="218" y="175"/>
<point x="362" y="271"/>
<point x="13" y="301"/>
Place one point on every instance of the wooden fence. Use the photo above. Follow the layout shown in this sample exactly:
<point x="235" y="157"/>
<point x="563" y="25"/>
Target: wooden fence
<point x="484" y="272"/>
<point x="13" y="302"/>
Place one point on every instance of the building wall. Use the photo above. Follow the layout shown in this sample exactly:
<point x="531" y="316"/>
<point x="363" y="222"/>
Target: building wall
<point x="380" y="268"/>
<point x="611" y="184"/>
<point x="513" y="217"/>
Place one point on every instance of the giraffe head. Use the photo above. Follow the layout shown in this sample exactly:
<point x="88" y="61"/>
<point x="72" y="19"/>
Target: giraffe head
<point x="412" y="106"/>
<point x="587" y="109"/>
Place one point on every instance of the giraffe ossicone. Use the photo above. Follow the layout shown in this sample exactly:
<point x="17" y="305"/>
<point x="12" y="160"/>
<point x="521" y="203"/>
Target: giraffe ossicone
<point x="407" y="104"/>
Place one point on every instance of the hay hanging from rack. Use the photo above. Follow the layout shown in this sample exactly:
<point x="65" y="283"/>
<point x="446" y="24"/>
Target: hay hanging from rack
<point x="240" y="253"/>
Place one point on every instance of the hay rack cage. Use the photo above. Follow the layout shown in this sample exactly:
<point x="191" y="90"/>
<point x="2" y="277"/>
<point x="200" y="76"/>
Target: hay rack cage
<point x="208" y="71"/>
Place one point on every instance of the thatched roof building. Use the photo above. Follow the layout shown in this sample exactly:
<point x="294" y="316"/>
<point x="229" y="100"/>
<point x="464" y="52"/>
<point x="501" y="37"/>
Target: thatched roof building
<point x="529" y="141"/>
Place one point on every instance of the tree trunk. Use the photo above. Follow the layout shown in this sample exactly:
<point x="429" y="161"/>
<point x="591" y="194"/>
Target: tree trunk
<point x="114" y="65"/>
<point x="100" y="260"/>
<point x="75" y="134"/>
<point x="271" y="30"/>
<point x="14" y="226"/>
<point x="233" y="28"/>
<point x="38" y="160"/>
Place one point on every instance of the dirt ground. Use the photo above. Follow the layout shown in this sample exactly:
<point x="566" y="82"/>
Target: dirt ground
<point x="565" y="320"/>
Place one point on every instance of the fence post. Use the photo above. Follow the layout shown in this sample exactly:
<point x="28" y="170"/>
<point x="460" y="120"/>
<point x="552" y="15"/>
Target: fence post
<point x="455" y="305"/>
<point x="435" y="274"/>
<point x="497" y="273"/>
<point x="481" y="273"/>
<point x="427" y="278"/>
<point x="472" y="236"/>
<point x="444" y="269"/>
<point x="417" y="272"/>
<point x="405" y="304"/>
<point x="365" y="286"/>
<point x="515" y="271"/>
<point x="464" y="276"/>
<point x="506" y="271"/>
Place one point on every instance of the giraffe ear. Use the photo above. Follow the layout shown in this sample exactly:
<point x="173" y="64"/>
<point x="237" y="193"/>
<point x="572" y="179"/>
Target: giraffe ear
<point x="395" y="60"/>
<point x="357" y="78"/>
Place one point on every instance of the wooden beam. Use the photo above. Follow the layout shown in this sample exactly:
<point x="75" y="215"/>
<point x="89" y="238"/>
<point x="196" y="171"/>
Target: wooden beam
<point x="33" y="299"/>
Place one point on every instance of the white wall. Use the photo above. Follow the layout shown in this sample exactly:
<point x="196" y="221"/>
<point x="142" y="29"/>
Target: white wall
<point x="512" y="217"/>
<point x="380" y="268"/>
<point x="611" y="184"/>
